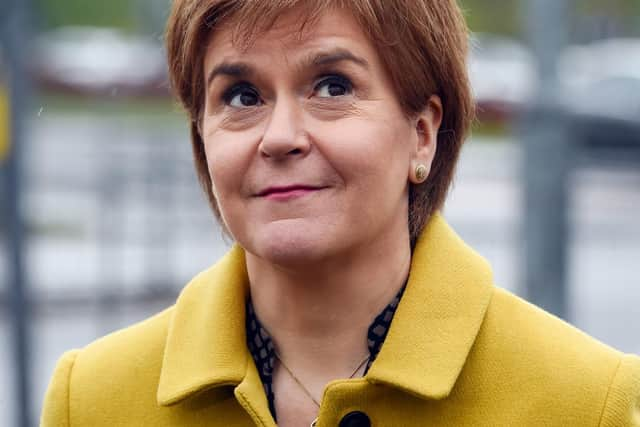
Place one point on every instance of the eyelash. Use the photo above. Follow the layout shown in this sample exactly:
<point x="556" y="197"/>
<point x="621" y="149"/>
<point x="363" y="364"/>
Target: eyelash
<point x="335" y="78"/>
<point x="236" y="89"/>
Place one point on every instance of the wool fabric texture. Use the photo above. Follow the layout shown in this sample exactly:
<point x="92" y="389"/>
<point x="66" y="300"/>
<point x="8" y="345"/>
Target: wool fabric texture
<point x="460" y="352"/>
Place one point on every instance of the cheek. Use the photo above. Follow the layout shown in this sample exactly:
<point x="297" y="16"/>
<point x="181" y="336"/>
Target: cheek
<point x="370" y="151"/>
<point x="228" y="157"/>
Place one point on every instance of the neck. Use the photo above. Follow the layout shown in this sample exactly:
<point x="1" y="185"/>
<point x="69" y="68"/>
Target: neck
<point x="318" y="316"/>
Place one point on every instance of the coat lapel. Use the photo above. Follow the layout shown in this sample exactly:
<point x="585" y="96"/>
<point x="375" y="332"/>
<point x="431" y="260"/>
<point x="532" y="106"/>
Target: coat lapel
<point x="206" y="345"/>
<point x="438" y="318"/>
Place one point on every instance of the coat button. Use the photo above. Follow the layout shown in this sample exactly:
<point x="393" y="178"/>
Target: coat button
<point x="355" y="419"/>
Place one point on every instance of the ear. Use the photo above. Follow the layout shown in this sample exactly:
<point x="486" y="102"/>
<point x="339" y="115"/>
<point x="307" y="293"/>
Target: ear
<point x="427" y="125"/>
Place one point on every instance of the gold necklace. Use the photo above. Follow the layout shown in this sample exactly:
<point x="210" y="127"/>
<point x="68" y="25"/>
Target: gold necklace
<point x="306" y="391"/>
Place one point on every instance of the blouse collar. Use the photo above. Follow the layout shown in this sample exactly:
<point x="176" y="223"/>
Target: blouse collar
<point x="263" y="352"/>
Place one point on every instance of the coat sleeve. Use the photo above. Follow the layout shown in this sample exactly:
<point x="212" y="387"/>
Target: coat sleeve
<point x="622" y="407"/>
<point x="55" y="411"/>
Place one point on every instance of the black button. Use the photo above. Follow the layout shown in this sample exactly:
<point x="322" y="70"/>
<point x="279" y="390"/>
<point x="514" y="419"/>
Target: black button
<point x="355" y="419"/>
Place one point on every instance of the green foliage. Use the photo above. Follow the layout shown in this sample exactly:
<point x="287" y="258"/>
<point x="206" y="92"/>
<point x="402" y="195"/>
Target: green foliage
<point x="112" y="13"/>
<point x="507" y="17"/>
<point x="493" y="16"/>
<point x="496" y="16"/>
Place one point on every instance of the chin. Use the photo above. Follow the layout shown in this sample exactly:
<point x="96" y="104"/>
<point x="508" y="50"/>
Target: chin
<point x="291" y="243"/>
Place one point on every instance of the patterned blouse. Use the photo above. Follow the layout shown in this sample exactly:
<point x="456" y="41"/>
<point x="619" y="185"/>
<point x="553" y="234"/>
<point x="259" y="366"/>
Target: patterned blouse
<point x="261" y="346"/>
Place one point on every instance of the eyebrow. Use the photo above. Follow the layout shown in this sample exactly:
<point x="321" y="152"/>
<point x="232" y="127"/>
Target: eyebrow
<point x="234" y="69"/>
<point x="333" y="57"/>
<point x="241" y="70"/>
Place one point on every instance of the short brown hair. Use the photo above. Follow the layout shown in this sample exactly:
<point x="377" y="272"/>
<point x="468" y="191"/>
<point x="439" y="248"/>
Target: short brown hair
<point x="422" y="43"/>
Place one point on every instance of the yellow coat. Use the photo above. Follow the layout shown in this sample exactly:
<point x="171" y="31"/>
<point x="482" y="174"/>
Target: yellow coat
<point x="460" y="352"/>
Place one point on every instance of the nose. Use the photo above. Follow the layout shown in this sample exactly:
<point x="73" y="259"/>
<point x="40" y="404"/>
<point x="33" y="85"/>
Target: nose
<point x="284" y="136"/>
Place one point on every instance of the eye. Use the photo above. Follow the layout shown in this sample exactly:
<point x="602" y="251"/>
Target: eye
<point x="241" y="96"/>
<point x="333" y="86"/>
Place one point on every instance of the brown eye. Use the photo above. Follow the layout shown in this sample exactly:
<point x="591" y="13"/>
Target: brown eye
<point x="242" y="96"/>
<point x="333" y="86"/>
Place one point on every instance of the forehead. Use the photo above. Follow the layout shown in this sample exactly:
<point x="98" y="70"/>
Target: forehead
<point x="290" y="34"/>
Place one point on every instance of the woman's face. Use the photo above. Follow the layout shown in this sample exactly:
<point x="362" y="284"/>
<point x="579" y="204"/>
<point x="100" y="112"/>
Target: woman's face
<point x="309" y="152"/>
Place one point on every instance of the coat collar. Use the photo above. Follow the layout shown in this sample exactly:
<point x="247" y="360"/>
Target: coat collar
<point x="432" y="332"/>
<point x="205" y="345"/>
<point x="438" y="318"/>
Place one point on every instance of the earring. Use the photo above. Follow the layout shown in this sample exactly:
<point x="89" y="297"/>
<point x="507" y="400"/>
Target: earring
<point x="421" y="173"/>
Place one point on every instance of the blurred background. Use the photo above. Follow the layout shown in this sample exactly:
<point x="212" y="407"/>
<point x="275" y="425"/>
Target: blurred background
<point x="102" y="220"/>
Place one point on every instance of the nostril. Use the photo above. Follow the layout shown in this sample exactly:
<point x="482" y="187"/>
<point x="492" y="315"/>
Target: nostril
<point x="295" y="151"/>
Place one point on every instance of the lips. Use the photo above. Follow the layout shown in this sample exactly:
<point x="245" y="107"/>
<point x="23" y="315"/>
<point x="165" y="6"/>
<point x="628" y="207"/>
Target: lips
<point x="287" y="191"/>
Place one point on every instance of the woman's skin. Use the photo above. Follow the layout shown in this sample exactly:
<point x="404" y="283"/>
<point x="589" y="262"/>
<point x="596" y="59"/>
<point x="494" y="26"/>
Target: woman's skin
<point x="311" y="158"/>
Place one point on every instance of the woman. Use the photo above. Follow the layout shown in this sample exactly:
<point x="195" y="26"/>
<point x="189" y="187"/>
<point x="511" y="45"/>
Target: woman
<point x="325" y="134"/>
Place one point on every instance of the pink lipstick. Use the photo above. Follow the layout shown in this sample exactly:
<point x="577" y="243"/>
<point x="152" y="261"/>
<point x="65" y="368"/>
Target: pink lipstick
<point x="287" y="192"/>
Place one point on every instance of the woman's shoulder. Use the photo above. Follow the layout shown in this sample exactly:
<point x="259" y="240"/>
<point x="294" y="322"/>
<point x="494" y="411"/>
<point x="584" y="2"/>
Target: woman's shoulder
<point x="121" y="353"/>
<point x="146" y="337"/>
<point x="114" y="369"/>
<point x="523" y="349"/>
<point x="514" y="321"/>
<point x="121" y="374"/>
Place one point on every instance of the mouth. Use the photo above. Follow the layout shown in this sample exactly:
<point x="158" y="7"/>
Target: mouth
<point x="288" y="192"/>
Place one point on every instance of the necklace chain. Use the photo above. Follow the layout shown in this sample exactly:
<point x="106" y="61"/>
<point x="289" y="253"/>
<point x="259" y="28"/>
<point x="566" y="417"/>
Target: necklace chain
<point x="305" y="390"/>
